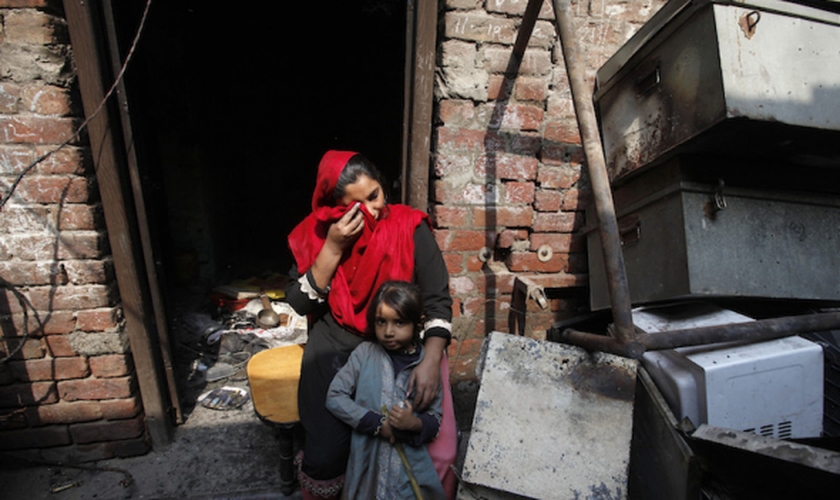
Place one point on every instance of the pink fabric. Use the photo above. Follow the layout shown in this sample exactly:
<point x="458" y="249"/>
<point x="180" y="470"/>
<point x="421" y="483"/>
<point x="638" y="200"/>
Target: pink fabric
<point x="444" y="449"/>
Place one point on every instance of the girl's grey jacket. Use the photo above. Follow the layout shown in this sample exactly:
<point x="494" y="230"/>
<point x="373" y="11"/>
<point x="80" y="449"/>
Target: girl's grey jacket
<point x="375" y="470"/>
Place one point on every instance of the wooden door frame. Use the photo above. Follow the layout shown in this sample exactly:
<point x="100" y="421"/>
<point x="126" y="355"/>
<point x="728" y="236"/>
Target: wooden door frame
<point x="420" y="56"/>
<point x="106" y="131"/>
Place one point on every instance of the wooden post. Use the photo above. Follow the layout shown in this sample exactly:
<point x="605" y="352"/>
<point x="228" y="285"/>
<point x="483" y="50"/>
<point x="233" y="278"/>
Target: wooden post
<point x="120" y="221"/>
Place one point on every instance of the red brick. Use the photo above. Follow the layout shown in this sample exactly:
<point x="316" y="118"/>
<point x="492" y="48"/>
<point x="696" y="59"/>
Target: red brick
<point x="473" y="306"/>
<point x="107" y="430"/>
<point x="562" y="155"/>
<point x="516" y="117"/>
<point x="508" y="237"/>
<point x="110" y="365"/>
<point x="507" y="166"/>
<point x="563" y="132"/>
<point x="456" y="112"/>
<point x="454" y="262"/>
<point x="474" y="264"/>
<point x="92" y="388"/>
<point x="456" y="307"/>
<point x="33" y="27"/>
<point x="498" y="86"/>
<point x="60" y="346"/>
<point x="33" y="348"/>
<point x="519" y="193"/>
<point x="531" y="89"/>
<point x="45" y="99"/>
<point x="558" y="177"/>
<point x="479" y="28"/>
<point x="560" y="222"/>
<point x="461" y="139"/>
<point x="89" y="272"/>
<point x="72" y="297"/>
<point x="528" y="262"/>
<point x="9" y="98"/>
<point x="14" y="159"/>
<point x="52" y="322"/>
<point x="35" y="393"/>
<point x="118" y="409"/>
<point x="45" y="247"/>
<point x="65" y="413"/>
<point x="39" y="437"/>
<point x="54" y="189"/>
<point x="449" y="193"/>
<point x="98" y="320"/>
<point x="68" y="160"/>
<point x="450" y="216"/>
<point x="517" y="8"/>
<point x="75" y="217"/>
<point x="460" y="240"/>
<point x="558" y="242"/>
<point x="33" y="273"/>
<point x="36" y="129"/>
<point x="495" y="283"/>
<point x="49" y="369"/>
<point x="573" y="200"/>
<point x="547" y="200"/>
<point x="534" y="62"/>
<point x="520" y="216"/>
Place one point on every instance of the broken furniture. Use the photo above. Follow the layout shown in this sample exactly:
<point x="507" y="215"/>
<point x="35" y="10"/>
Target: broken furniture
<point x="273" y="376"/>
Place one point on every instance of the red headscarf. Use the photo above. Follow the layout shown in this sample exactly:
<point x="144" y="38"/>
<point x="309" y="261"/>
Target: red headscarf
<point x="384" y="250"/>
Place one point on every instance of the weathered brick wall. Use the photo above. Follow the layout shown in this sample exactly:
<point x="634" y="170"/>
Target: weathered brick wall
<point x="70" y="391"/>
<point x="510" y="184"/>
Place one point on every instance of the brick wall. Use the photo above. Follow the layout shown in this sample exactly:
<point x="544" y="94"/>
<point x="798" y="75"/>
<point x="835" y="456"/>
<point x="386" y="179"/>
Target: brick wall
<point x="70" y="391"/>
<point x="510" y="185"/>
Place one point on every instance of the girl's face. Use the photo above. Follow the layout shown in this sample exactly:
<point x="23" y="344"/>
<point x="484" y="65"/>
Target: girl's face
<point x="392" y="332"/>
<point x="368" y="192"/>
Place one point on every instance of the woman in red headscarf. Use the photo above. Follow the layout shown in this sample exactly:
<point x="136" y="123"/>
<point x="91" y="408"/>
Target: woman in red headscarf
<point x="352" y="242"/>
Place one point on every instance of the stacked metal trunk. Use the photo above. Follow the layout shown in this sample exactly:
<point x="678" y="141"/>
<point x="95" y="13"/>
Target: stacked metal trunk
<point x="721" y="130"/>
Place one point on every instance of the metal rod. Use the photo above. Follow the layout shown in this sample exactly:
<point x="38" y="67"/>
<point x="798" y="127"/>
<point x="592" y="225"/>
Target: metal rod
<point x="765" y="329"/>
<point x="596" y="166"/>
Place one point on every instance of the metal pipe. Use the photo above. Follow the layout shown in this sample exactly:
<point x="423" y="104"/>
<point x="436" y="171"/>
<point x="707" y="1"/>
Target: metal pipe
<point x="765" y="329"/>
<point x="596" y="167"/>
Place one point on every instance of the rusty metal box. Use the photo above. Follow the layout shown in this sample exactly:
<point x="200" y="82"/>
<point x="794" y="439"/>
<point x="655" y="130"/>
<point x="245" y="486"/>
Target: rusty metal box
<point x="683" y="236"/>
<point x="750" y="79"/>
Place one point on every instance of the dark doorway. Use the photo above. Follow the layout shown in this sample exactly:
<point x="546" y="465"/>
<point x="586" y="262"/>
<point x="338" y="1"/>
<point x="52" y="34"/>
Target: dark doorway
<point x="232" y="108"/>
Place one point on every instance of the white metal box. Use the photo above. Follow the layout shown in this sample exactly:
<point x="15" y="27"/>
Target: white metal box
<point x="772" y="388"/>
<point x="750" y="79"/>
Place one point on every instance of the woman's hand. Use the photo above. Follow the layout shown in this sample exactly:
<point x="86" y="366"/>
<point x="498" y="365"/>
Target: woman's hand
<point x="346" y="230"/>
<point x="425" y="381"/>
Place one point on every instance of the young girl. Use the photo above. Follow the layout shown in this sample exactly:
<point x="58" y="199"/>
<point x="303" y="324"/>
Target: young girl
<point x="388" y="457"/>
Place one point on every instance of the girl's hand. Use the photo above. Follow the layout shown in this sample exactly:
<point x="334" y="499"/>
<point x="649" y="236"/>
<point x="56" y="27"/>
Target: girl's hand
<point x="386" y="431"/>
<point x="346" y="230"/>
<point x="401" y="416"/>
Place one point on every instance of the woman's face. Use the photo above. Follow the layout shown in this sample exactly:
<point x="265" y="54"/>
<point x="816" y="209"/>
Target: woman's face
<point x="368" y="192"/>
<point x="392" y="331"/>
